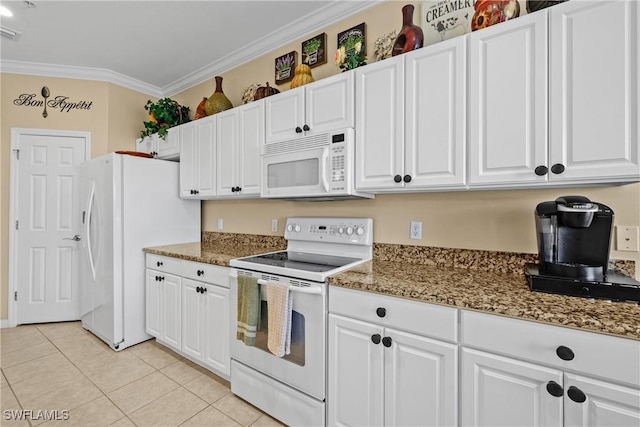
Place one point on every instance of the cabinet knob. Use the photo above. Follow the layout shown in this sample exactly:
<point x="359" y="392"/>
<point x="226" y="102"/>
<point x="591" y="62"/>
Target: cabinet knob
<point x="161" y="278"/>
<point x="565" y="353"/>
<point x="200" y="273"/>
<point x="233" y="189"/>
<point x="558" y="168"/>
<point x="306" y="128"/>
<point x="407" y="178"/>
<point x="576" y="394"/>
<point x="375" y="338"/>
<point x="239" y="189"/>
<point x="386" y="341"/>
<point x="190" y="191"/>
<point x="198" y="289"/>
<point x="397" y="178"/>
<point x="157" y="279"/>
<point x="196" y="191"/>
<point x="204" y="290"/>
<point x="298" y="129"/>
<point x="541" y="170"/>
<point x="159" y="263"/>
<point x="555" y="389"/>
<point x="381" y="311"/>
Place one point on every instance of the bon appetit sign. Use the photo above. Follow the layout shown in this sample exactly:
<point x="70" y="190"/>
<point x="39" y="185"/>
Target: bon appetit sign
<point x="54" y="102"/>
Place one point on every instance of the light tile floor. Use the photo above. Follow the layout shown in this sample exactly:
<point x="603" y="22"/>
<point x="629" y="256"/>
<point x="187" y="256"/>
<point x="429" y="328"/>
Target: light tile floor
<point x="62" y="367"/>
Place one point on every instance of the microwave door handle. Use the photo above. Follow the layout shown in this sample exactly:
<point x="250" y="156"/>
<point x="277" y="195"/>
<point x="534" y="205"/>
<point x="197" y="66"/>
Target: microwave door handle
<point x="323" y="173"/>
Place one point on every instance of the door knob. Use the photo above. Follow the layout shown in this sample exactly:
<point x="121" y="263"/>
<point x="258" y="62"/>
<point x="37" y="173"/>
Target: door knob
<point x="75" y="238"/>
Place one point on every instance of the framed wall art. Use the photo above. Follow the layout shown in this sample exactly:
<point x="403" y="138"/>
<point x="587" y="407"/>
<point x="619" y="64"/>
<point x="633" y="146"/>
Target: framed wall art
<point x="284" y="66"/>
<point x="314" y="50"/>
<point x="349" y="38"/>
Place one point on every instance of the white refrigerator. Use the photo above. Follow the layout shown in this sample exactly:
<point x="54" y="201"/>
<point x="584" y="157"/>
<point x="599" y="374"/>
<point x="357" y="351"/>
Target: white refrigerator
<point x="127" y="203"/>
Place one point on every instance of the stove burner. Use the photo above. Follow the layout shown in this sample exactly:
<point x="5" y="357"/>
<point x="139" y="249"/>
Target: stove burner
<point x="302" y="261"/>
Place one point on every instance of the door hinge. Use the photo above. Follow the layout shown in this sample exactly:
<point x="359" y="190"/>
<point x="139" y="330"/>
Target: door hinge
<point x="17" y="150"/>
<point x="15" y="296"/>
<point x="17" y="225"/>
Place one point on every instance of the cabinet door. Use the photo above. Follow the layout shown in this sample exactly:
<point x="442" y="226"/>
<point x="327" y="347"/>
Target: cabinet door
<point x="356" y="373"/>
<point x="192" y="318"/>
<point x="170" y="331"/>
<point x="283" y="113"/>
<point x="250" y="142"/>
<point x="508" y="101"/>
<point x="216" y="329"/>
<point x="606" y="404"/>
<point x="188" y="161"/>
<point x="329" y="103"/>
<point x="420" y="381"/>
<point x="148" y="144"/>
<point x="435" y="122"/>
<point x="153" y="303"/>
<point x="499" y="391"/>
<point x="594" y="89"/>
<point x="169" y="146"/>
<point x="379" y="125"/>
<point x="205" y="170"/>
<point x="226" y="153"/>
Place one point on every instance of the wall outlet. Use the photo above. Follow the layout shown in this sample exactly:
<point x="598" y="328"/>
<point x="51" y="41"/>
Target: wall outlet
<point x="220" y="224"/>
<point x="627" y="238"/>
<point x="415" y="230"/>
<point x="274" y="225"/>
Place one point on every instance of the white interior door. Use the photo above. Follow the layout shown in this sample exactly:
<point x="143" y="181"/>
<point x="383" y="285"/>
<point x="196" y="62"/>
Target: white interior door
<point x="44" y="281"/>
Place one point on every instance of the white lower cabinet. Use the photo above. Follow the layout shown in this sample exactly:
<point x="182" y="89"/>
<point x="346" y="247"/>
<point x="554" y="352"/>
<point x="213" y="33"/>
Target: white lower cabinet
<point x="190" y="316"/>
<point x="522" y="373"/>
<point x="382" y="375"/>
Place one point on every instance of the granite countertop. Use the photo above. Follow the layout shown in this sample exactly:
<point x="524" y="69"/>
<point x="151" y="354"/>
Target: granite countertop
<point x="490" y="282"/>
<point x="491" y="292"/>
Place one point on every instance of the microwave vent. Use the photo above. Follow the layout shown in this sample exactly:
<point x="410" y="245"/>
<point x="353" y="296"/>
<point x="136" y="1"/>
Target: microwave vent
<point x="296" y="144"/>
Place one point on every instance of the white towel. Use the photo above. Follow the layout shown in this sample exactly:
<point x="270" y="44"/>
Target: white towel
<point x="279" y="305"/>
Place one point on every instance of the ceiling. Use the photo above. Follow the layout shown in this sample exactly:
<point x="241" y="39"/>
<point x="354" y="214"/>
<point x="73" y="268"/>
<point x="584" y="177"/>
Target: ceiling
<point x="157" y="47"/>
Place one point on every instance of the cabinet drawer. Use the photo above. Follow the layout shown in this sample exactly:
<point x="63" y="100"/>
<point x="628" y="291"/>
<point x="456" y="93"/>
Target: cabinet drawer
<point x="606" y="356"/>
<point x="412" y="316"/>
<point x="164" y="263"/>
<point x="208" y="273"/>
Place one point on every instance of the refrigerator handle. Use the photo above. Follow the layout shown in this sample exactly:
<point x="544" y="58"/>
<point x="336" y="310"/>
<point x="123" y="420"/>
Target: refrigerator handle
<point x="89" y="212"/>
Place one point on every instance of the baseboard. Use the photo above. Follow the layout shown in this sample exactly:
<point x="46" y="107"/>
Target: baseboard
<point x="4" y="323"/>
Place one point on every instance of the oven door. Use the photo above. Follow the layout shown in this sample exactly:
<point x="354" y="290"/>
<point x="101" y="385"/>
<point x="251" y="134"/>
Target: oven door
<point x="302" y="173"/>
<point x="304" y="368"/>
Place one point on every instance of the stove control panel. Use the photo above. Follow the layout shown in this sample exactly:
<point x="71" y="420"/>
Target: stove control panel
<point x="356" y="231"/>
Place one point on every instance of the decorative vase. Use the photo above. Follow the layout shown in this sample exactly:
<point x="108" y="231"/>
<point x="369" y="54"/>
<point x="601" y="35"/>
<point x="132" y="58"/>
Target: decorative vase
<point x="410" y="36"/>
<point x="201" y="110"/>
<point x="218" y="101"/>
<point x="302" y="76"/>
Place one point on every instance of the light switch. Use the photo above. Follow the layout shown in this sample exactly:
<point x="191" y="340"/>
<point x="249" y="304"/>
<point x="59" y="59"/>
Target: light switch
<point x="627" y="238"/>
<point x="220" y="224"/>
<point x="274" y="225"/>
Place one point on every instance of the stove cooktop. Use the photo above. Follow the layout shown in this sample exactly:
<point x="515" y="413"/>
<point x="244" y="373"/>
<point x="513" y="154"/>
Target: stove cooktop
<point x="301" y="261"/>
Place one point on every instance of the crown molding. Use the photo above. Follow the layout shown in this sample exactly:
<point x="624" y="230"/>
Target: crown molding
<point x="334" y="12"/>
<point x="80" y="73"/>
<point x="318" y="20"/>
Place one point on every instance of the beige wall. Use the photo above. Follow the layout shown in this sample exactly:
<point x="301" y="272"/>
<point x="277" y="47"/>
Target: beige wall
<point x="114" y="120"/>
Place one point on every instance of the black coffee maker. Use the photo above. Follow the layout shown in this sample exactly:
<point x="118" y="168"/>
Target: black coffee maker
<point x="574" y="239"/>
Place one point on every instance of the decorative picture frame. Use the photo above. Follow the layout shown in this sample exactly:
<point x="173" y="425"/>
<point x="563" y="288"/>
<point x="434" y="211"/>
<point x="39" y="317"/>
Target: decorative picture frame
<point x="351" y="36"/>
<point x="314" y="50"/>
<point x="284" y="67"/>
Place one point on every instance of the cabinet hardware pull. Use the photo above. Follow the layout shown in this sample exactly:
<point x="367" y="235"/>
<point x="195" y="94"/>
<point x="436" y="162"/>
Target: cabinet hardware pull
<point x="159" y="263"/>
<point x="200" y="273"/>
<point x="555" y="389"/>
<point x="407" y="178"/>
<point x="565" y="353"/>
<point x="306" y="128"/>
<point x="298" y="129"/>
<point x="386" y="341"/>
<point x="558" y="168"/>
<point x="397" y="178"/>
<point x="375" y="338"/>
<point x="541" y="170"/>
<point x="381" y="311"/>
<point x="576" y="394"/>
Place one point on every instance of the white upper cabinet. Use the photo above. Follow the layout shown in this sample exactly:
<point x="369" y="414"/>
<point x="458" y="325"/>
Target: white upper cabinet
<point x="240" y="137"/>
<point x="379" y="125"/>
<point x="311" y="109"/>
<point x="197" y="166"/>
<point x="508" y="101"/>
<point x="594" y="91"/>
<point x="410" y="120"/>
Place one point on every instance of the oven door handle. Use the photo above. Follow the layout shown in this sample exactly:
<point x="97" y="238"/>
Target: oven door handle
<point x="313" y="289"/>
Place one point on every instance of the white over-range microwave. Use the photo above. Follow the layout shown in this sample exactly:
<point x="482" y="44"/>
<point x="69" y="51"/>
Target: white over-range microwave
<point x="314" y="167"/>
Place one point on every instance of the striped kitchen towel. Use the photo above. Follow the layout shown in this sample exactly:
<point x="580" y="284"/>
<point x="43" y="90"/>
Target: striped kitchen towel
<point x="279" y="305"/>
<point x="248" y="309"/>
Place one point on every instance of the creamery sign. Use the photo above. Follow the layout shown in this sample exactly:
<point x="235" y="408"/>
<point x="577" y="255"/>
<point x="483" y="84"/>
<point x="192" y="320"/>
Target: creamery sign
<point x="54" y="102"/>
